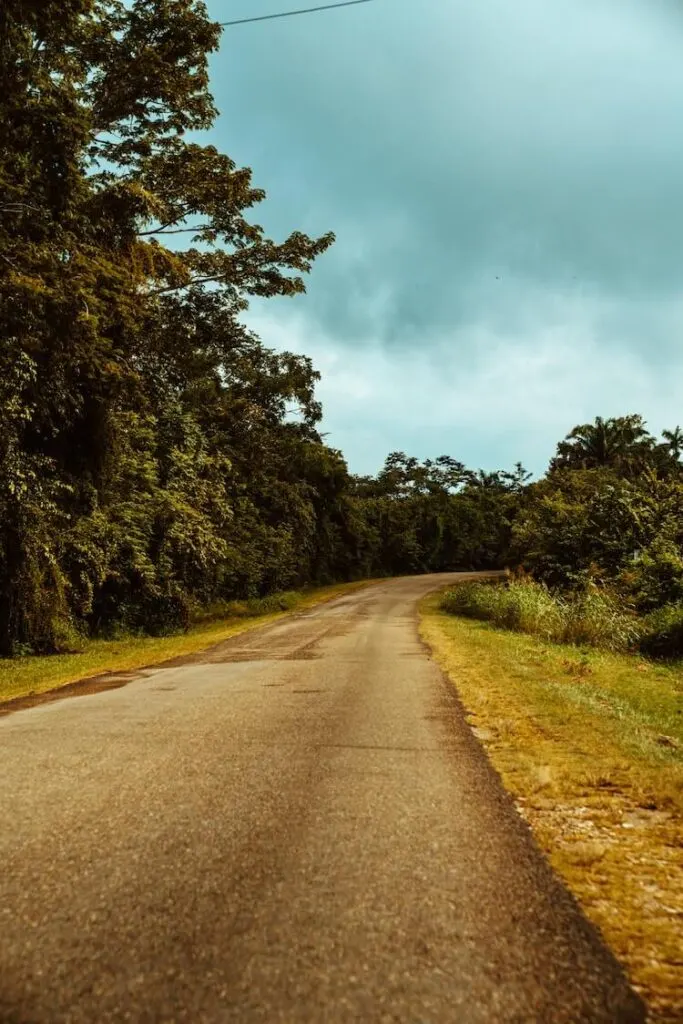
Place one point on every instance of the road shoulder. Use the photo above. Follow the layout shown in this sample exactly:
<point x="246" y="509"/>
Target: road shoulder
<point x="604" y="803"/>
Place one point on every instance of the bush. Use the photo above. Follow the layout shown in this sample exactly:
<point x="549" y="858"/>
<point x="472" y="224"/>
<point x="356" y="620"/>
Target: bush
<point x="595" y="617"/>
<point x="589" y="617"/>
<point x="662" y="632"/>
<point x="656" y="577"/>
<point x="474" y="600"/>
<point x="249" y="608"/>
<point x="523" y="606"/>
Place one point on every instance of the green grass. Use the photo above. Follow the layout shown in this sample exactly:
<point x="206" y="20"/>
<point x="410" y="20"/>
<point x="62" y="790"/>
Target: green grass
<point x="590" y="743"/>
<point x="20" y="677"/>
<point x="592" y="617"/>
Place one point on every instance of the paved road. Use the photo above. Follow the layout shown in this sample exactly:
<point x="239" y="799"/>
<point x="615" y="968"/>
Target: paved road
<point x="297" y="826"/>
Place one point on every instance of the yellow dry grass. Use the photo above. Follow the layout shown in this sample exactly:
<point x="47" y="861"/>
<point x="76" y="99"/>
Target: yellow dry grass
<point x="591" y="746"/>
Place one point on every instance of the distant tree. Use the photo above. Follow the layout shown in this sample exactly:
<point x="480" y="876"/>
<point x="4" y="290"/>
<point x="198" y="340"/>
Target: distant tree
<point x="621" y="443"/>
<point x="674" y="442"/>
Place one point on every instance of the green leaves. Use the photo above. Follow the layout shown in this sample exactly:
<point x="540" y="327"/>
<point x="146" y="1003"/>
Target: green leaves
<point x="149" y="76"/>
<point x="134" y="402"/>
<point x="156" y="456"/>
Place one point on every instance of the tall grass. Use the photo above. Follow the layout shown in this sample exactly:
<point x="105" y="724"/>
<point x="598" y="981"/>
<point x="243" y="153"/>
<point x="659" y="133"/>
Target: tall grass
<point x="592" y="617"/>
<point x="662" y="632"/>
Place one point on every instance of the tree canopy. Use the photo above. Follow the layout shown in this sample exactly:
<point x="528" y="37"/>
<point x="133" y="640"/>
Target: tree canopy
<point x="156" y="457"/>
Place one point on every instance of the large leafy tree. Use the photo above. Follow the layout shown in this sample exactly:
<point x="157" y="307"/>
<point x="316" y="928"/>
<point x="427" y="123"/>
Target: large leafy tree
<point x="96" y="171"/>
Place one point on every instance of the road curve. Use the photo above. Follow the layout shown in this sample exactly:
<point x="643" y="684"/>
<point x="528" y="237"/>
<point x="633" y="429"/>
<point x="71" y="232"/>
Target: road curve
<point x="297" y="826"/>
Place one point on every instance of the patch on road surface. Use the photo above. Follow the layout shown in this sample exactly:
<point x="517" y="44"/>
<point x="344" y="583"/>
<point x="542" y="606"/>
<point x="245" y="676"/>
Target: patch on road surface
<point x="82" y="688"/>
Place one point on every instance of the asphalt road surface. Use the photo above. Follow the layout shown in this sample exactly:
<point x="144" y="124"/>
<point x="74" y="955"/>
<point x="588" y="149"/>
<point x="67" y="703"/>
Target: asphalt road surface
<point x="295" y="826"/>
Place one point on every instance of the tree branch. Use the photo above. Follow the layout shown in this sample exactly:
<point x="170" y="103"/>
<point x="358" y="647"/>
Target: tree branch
<point x="188" y="284"/>
<point x="169" y="223"/>
<point x="14" y="207"/>
<point x="177" y="231"/>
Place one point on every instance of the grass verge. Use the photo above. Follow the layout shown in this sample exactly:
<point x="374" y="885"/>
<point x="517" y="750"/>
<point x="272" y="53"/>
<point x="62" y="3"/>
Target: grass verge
<point x="591" y="746"/>
<point x="593" y="616"/>
<point x="21" y="677"/>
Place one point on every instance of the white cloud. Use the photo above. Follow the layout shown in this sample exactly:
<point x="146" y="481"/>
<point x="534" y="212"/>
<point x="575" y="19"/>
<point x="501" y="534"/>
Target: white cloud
<point x="505" y="184"/>
<point x="515" y="400"/>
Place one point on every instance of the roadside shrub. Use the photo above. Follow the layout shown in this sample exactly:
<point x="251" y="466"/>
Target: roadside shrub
<point x="592" y="616"/>
<point x="474" y="600"/>
<point x="529" y="607"/>
<point x="662" y="632"/>
<point x="263" y="605"/>
<point x="249" y="608"/>
<point x="595" y="617"/>
<point x="522" y="605"/>
<point x="656" y="576"/>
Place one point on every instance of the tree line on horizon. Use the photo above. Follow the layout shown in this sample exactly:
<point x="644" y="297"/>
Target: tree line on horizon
<point x="156" y="457"/>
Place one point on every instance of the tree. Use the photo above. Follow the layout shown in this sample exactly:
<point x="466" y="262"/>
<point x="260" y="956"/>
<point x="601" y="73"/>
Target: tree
<point x="673" y="444"/>
<point x="96" y="98"/>
<point x="621" y="443"/>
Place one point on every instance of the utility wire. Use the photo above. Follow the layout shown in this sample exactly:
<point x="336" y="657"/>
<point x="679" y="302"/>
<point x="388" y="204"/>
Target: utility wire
<point x="290" y="14"/>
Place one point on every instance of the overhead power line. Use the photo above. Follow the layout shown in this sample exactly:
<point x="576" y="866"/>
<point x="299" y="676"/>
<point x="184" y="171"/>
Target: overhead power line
<point x="290" y="14"/>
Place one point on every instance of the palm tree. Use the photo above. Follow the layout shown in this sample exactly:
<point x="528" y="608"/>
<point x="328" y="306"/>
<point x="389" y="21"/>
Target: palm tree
<point x="674" y="440"/>
<point x="621" y="442"/>
<point x="588" y="445"/>
<point x="481" y="478"/>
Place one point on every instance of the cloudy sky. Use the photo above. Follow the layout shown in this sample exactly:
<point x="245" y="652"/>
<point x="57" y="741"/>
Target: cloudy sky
<point x="505" y="180"/>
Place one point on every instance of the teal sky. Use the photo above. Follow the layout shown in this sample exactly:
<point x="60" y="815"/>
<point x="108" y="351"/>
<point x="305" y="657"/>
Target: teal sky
<point x="505" y="181"/>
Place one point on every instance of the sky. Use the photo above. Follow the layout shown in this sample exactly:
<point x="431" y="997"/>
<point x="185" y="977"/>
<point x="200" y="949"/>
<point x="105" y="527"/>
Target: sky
<point x="505" y="181"/>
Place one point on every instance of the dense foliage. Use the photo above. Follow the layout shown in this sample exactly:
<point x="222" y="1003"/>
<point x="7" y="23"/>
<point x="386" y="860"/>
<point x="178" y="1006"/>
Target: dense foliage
<point x="601" y="537"/>
<point x="610" y="511"/>
<point x="156" y="458"/>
